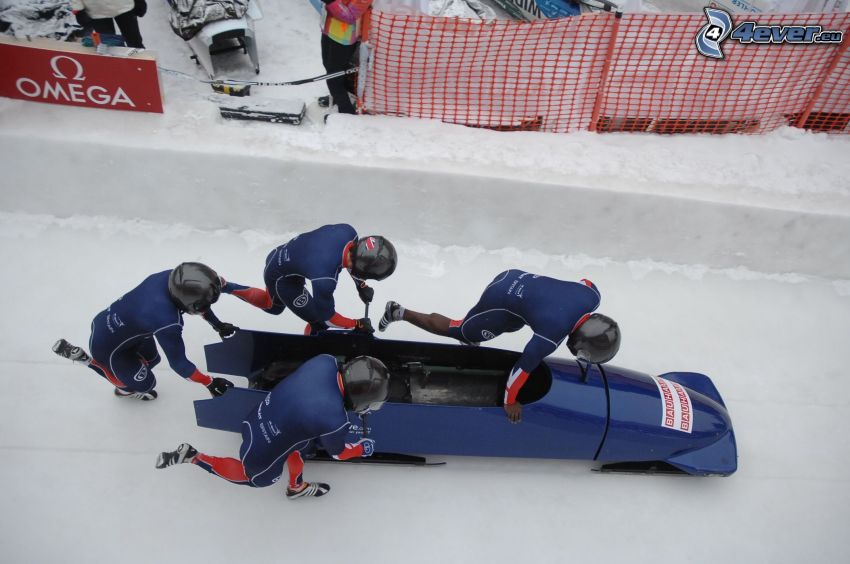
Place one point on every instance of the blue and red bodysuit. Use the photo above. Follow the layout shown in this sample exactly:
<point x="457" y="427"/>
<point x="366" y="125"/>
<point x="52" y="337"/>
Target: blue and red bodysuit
<point x="302" y="275"/>
<point x="122" y="337"/>
<point x="304" y="409"/>
<point x="514" y="299"/>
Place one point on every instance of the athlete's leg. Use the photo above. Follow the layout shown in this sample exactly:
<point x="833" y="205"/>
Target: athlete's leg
<point x="128" y="373"/>
<point x="258" y="297"/>
<point x="293" y="291"/>
<point x="435" y="323"/>
<point x="488" y="318"/>
<point x="295" y="465"/>
<point x="438" y="323"/>
<point x="130" y="370"/>
<point x="148" y="352"/>
<point x="230" y="469"/>
<point x="297" y="486"/>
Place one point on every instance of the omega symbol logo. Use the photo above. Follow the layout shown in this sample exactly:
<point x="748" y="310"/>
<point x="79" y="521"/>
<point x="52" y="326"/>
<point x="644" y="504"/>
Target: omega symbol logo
<point x="78" y="68"/>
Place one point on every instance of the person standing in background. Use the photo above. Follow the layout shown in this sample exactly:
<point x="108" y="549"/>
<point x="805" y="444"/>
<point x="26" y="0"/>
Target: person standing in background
<point x="341" y="29"/>
<point x="102" y="15"/>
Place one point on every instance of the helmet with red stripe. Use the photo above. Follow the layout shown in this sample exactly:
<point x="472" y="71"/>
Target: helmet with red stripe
<point x="373" y="257"/>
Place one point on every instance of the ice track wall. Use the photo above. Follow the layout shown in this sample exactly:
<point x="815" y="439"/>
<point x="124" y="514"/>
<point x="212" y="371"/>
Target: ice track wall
<point x="213" y="191"/>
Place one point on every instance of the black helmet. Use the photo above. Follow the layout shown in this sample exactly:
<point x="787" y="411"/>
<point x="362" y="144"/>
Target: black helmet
<point x="373" y="257"/>
<point x="194" y="287"/>
<point x="366" y="382"/>
<point x="596" y="339"/>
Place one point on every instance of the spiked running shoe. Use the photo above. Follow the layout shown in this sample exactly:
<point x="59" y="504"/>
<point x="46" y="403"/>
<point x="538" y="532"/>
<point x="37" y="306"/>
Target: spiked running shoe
<point x="66" y="350"/>
<point x="310" y="489"/>
<point x="185" y="453"/>
<point x="392" y="312"/>
<point x="144" y="396"/>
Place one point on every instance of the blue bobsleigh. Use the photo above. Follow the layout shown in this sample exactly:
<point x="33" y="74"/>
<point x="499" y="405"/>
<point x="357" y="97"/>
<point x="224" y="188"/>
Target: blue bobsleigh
<point x="447" y="400"/>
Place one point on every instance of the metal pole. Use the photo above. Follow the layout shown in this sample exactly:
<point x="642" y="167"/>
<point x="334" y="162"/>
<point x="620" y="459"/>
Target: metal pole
<point x="603" y="82"/>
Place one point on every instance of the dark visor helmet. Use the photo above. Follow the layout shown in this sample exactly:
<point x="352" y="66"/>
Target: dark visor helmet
<point x="373" y="258"/>
<point x="194" y="287"/>
<point x="596" y="339"/>
<point x="366" y="382"/>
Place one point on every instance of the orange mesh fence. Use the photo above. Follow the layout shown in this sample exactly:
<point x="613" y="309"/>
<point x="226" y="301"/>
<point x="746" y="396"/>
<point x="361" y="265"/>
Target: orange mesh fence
<point x="504" y="74"/>
<point x="604" y="73"/>
<point x="830" y="108"/>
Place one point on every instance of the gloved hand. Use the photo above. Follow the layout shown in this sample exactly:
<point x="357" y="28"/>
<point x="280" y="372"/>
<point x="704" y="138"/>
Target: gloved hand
<point x="226" y="330"/>
<point x="368" y="446"/>
<point x="218" y="386"/>
<point x="83" y="18"/>
<point x="363" y="325"/>
<point x="366" y="292"/>
<point x="140" y="8"/>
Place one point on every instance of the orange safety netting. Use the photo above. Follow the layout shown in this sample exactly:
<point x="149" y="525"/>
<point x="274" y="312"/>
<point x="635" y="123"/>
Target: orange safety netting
<point x="601" y="72"/>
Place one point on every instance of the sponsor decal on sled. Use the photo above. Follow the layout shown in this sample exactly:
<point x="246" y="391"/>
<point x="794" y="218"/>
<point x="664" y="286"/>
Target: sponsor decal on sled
<point x="719" y="29"/>
<point x="57" y="72"/>
<point x="676" y="407"/>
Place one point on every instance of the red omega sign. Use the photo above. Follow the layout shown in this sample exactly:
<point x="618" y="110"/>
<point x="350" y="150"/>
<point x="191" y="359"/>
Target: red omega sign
<point x="57" y="72"/>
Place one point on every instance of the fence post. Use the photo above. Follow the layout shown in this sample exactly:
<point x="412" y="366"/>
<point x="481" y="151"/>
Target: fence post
<point x="606" y="67"/>
<point x="364" y="53"/>
<point x="804" y="115"/>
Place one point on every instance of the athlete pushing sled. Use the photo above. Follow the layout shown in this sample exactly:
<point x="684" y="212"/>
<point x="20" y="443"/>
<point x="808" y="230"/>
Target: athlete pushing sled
<point x="306" y="409"/>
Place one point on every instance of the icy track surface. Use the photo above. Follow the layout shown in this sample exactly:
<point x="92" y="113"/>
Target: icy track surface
<point x="78" y="464"/>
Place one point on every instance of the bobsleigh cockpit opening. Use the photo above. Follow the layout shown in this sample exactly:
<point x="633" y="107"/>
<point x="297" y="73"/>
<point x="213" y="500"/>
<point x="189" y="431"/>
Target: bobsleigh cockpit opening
<point x="467" y="386"/>
<point x="420" y="373"/>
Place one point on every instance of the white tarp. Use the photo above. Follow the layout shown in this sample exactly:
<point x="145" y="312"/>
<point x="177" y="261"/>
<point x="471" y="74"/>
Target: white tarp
<point x="737" y="6"/>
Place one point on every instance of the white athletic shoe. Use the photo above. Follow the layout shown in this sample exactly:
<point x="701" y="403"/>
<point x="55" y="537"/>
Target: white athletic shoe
<point x="392" y="312"/>
<point x="144" y="396"/>
<point x="185" y="453"/>
<point x="66" y="350"/>
<point x="310" y="489"/>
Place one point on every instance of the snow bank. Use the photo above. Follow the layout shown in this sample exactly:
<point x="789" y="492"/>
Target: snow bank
<point x="246" y="188"/>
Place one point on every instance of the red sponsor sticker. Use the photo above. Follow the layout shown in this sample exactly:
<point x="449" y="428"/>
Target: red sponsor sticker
<point x="676" y="406"/>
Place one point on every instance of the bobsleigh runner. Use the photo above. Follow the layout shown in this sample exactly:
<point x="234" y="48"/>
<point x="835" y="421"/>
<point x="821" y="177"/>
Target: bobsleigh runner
<point x="447" y="400"/>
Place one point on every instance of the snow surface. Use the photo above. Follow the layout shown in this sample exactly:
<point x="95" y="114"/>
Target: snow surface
<point x="723" y="255"/>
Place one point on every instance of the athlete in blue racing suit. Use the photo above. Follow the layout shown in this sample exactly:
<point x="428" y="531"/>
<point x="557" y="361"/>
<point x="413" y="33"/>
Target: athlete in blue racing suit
<point x="552" y="308"/>
<point x="122" y="344"/>
<point x="307" y="408"/>
<point x="302" y="275"/>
